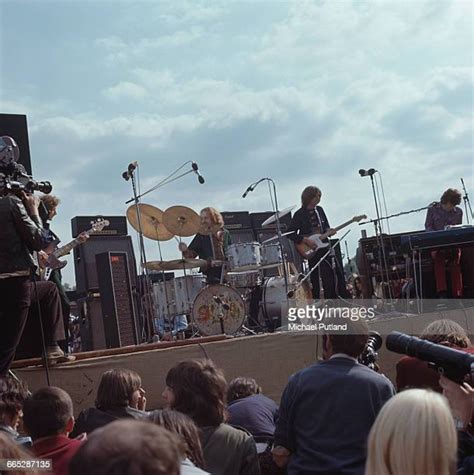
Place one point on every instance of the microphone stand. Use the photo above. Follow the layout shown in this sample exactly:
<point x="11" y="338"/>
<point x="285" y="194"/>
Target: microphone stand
<point x="395" y="215"/>
<point x="146" y="289"/>
<point x="274" y="199"/>
<point x="378" y="234"/>
<point x="467" y="203"/>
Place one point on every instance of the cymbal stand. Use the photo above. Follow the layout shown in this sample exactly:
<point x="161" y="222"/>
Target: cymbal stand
<point x="163" y="276"/>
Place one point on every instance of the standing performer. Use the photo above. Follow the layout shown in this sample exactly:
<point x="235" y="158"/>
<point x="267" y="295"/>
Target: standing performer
<point x="311" y="219"/>
<point x="212" y="246"/>
<point x="446" y="212"/>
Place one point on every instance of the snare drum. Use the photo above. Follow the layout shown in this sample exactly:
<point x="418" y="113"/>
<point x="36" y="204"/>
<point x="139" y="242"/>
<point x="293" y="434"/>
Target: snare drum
<point x="244" y="255"/>
<point x="165" y="304"/>
<point x="242" y="280"/>
<point x="207" y="312"/>
<point x="186" y="288"/>
<point x="271" y="255"/>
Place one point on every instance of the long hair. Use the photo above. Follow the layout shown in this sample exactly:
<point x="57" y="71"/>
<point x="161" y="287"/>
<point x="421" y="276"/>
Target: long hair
<point x="451" y="196"/>
<point x="185" y="428"/>
<point x="199" y="391"/>
<point x="446" y="331"/>
<point x="216" y="217"/>
<point x="413" y="434"/>
<point x="309" y="193"/>
<point x="116" y="388"/>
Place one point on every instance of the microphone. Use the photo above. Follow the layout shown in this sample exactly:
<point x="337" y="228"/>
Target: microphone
<point x="248" y="190"/>
<point x="195" y="168"/>
<point x="368" y="172"/>
<point x="129" y="172"/>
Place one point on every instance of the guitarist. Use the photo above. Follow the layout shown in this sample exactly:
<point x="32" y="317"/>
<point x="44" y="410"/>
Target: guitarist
<point x="47" y="212"/>
<point x="311" y="219"/>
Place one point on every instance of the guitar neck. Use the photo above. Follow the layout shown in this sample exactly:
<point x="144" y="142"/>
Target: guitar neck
<point x="343" y="225"/>
<point x="66" y="249"/>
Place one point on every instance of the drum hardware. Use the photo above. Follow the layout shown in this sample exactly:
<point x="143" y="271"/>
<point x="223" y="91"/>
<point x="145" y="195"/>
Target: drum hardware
<point x="276" y="217"/>
<point x="273" y="238"/>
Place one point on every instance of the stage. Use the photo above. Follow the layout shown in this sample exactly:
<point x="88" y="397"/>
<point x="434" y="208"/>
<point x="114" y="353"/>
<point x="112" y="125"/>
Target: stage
<point x="270" y="358"/>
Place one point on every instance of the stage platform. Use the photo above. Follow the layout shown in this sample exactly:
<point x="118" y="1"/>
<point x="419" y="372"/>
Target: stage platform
<point x="269" y="358"/>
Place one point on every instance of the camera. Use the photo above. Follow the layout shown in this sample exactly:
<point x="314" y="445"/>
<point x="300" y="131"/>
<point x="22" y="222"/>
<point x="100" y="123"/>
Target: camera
<point x="13" y="176"/>
<point x="369" y="356"/>
<point x="454" y="364"/>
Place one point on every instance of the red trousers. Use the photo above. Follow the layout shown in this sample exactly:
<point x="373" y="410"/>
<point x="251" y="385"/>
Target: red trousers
<point x="448" y="259"/>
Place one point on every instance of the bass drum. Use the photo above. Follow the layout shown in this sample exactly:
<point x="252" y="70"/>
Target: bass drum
<point x="273" y="299"/>
<point x="206" y="310"/>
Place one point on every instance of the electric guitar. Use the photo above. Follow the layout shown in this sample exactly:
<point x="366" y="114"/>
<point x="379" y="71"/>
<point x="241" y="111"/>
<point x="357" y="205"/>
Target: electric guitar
<point x="321" y="240"/>
<point x="54" y="261"/>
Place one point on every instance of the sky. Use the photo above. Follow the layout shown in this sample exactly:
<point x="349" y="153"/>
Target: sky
<point x="304" y="92"/>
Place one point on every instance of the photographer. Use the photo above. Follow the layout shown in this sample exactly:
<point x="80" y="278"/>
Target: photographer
<point x="21" y="234"/>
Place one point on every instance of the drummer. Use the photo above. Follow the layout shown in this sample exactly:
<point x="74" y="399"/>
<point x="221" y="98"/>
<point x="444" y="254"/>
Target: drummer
<point x="210" y="243"/>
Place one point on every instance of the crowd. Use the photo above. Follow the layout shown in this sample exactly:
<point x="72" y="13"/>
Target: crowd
<point x="336" y="416"/>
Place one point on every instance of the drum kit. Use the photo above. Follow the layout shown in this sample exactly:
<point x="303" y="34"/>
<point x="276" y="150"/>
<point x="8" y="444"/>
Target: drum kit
<point x="224" y="308"/>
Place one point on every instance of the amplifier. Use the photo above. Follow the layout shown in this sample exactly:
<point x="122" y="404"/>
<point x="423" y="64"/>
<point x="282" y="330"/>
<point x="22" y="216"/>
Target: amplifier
<point x="118" y="311"/>
<point x="117" y="226"/>
<point x="236" y="220"/>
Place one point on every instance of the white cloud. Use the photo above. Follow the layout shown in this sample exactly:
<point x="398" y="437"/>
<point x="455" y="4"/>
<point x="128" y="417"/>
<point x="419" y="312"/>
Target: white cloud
<point x="127" y="90"/>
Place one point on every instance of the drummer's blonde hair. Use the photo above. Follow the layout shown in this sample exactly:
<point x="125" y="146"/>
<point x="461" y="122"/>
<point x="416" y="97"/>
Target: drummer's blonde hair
<point x="216" y="217"/>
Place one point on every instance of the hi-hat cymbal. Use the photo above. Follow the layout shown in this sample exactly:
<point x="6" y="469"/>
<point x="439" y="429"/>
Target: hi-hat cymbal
<point x="280" y="214"/>
<point x="151" y="220"/>
<point x="176" y="264"/>
<point x="182" y="221"/>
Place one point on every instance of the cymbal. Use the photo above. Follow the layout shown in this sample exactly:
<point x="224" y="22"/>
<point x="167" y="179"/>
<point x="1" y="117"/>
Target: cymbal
<point x="208" y="230"/>
<point x="182" y="221"/>
<point x="281" y="213"/>
<point x="151" y="220"/>
<point x="176" y="264"/>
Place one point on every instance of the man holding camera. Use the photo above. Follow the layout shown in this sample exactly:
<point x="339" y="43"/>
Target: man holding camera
<point x="21" y="234"/>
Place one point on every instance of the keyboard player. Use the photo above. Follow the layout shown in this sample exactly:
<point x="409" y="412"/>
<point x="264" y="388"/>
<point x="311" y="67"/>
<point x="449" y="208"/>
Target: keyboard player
<point x="442" y="214"/>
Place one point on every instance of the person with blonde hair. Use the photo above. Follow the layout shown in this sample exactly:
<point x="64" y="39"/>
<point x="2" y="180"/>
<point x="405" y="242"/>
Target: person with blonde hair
<point x="211" y="246"/>
<point x="413" y="434"/>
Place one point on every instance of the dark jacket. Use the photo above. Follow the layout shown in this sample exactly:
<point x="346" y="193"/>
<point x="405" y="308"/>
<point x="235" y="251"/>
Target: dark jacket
<point x="301" y="224"/>
<point x="326" y="413"/>
<point x="19" y="236"/>
<point x="229" y="451"/>
<point x="93" y="418"/>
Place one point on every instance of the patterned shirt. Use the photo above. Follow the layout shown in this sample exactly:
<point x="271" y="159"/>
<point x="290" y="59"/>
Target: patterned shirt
<point x="437" y="218"/>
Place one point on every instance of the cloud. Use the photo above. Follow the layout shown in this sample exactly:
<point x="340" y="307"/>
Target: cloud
<point x="126" y="90"/>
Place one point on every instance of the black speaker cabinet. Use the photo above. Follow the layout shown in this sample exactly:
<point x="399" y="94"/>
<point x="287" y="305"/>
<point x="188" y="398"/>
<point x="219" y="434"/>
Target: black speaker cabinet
<point x="116" y="295"/>
<point x="91" y="323"/>
<point x="85" y="262"/>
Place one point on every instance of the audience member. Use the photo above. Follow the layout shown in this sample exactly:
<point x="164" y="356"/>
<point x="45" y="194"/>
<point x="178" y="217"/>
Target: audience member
<point x="183" y="426"/>
<point x="48" y="418"/>
<point x="247" y="407"/>
<point x="120" y="395"/>
<point x="413" y="434"/>
<point x="13" y="394"/>
<point x="129" y="447"/>
<point x="415" y="373"/>
<point x="327" y="409"/>
<point x="197" y="388"/>
<point x="10" y="450"/>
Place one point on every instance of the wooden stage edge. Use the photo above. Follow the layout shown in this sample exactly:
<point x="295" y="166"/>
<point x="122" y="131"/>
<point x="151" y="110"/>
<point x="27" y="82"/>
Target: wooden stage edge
<point x="85" y="355"/>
